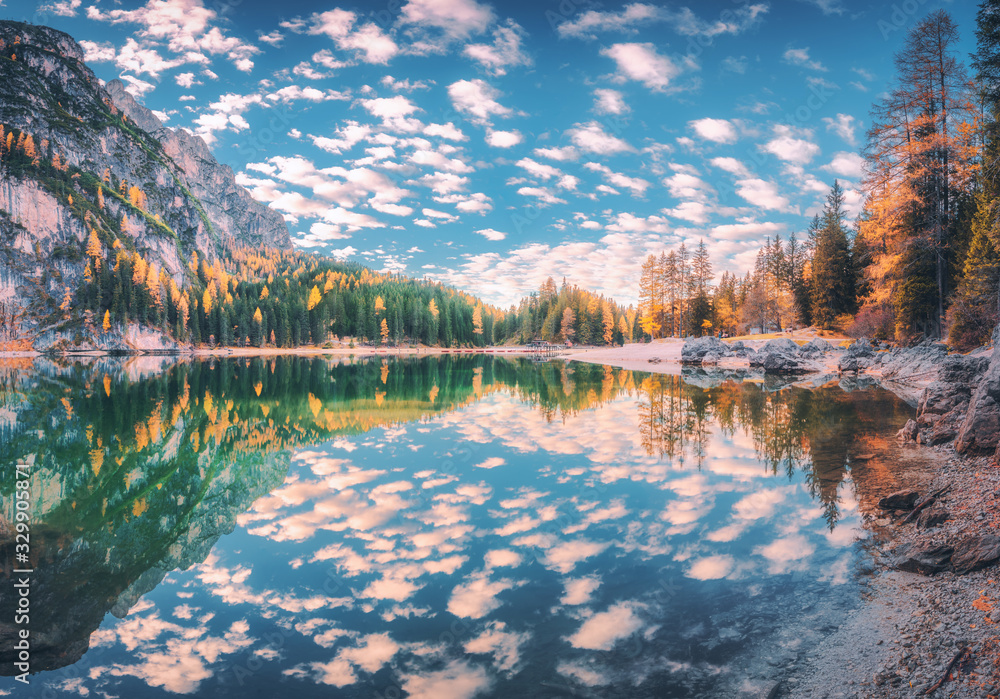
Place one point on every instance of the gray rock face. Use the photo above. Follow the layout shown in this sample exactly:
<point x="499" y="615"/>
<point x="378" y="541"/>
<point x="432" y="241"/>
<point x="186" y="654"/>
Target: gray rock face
<point x="694" y="351"/>
<point x="923" y="558"/>
<point x="976" y="553"/>
<point x="980" y="430"/>
<point x="233" y="212"/>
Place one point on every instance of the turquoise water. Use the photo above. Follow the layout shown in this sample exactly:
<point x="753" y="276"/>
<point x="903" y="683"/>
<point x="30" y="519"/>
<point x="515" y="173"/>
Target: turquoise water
<point x="441" y="527"/>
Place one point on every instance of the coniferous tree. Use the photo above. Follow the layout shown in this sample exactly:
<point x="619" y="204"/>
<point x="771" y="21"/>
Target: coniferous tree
<point x="832" y="279"/>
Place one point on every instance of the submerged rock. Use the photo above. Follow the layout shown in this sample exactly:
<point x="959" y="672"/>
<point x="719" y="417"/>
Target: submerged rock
<point x="900" y="500"/>
<point x="909" y="431"/>
<point x="923" y="558"/>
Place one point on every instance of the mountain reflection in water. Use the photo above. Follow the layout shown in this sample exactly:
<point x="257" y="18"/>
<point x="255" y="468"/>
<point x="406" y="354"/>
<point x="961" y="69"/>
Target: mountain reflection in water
<point x="444" y="526"/>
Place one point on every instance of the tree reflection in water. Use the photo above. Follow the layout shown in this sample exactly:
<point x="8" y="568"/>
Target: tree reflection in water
<point x="138" y="473"/>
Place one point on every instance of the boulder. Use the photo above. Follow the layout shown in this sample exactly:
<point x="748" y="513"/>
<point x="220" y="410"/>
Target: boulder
<point x="923" y="558"/>
<point x="975" y="553"/>
<point x="980" y="431"/>
<point x="817" y="345"/>
<point x="860" y="355"/>
<point x="909" y="432"/>
<point x="957" y="379"/>
<point x="694" y="350"/>
<point x="900" y="500"/>
<point x="932" y="517"/>
<point x="782" y="363"/>
<point x="781" y="345"/>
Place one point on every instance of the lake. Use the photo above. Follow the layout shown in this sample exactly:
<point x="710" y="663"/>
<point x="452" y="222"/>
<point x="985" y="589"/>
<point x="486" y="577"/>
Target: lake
<point x="429" y="527"/>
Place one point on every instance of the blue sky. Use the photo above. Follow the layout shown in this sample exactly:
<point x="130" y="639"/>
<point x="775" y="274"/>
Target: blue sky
<point x="492" y="145"/>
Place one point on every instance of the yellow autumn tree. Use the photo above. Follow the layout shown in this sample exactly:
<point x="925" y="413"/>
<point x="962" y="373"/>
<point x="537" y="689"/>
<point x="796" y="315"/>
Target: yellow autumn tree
<point x="94" y="248"/>
<point x="609" y="323"/>
<point x="477" y="320"/>
<point x="379" y="305"/>
<point x="107" y="321"/>
<point x="384" y="331"/>
<point x="258" y="318"/>
<point x="314" y="298"/>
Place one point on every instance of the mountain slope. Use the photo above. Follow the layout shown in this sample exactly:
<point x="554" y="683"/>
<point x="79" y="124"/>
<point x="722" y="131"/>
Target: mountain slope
<point x="78" y="157"/>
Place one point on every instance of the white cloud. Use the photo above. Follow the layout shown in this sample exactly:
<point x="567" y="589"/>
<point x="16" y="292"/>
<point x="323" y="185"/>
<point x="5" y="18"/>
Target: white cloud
<point x="65" y="8"/>
<point x="609" y="102"/>
<point x="592" y="138"/>
<point x="503" y="139"/>
<point x="97" y="52"/>
<point x="764" y="194"/>
<point x="604" y="629"/>
<point x="185" y="26"/>
<point x="843" y="125"/>
<point x="137" y="88"/>
<point x="592" y="21"/>
<point x="389" y="107"/>
<point x="562" y="154"/>
<point x="491" y="234"/>
<point x="505" y="51"/>
<point x="732" y="166"/>
<point x="140" y="60"/>
<point x="347" y="136"/>
<point x="477" y="597"/>
<point x="456" y="19"/>
<point x="367" y="41"/>
<point x="503" y="645"/>
<point x="291" y="93"/>
<point x="458" y="680"/>
<point x="717" y="130"/>
<point x="186" y="80"/>
<point x="447" y="131"/>
<point x="637" y="185"/>
<point x="828" y="7"/>
<point x="538" y="170"/>
<point x="847" y="164"/>
<point x="792" y="145"/>
<point x="641" y="62"/>
<point x="477" y="99"/>
<point x="273" y="38"/>
<point x="800" y="57"/>
<point x="579" y="590"/>
<point x="405" y="85"/>
<point x="543" y="194"/>
<point x="684" y="21"/>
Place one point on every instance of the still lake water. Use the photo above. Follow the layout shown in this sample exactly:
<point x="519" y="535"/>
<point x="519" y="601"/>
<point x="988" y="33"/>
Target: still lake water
<point x="436" y="527"/>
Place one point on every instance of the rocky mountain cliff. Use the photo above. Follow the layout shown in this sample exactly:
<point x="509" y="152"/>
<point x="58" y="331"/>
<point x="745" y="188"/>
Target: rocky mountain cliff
<point x="87" y="147"/>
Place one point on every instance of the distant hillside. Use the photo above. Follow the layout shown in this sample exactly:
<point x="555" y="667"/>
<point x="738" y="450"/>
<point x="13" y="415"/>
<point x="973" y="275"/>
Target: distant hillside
<point x="80" y="162"/>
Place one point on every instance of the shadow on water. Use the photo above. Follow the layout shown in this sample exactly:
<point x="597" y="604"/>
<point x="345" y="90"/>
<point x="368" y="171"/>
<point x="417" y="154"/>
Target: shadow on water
<point x="137" y="474"/>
